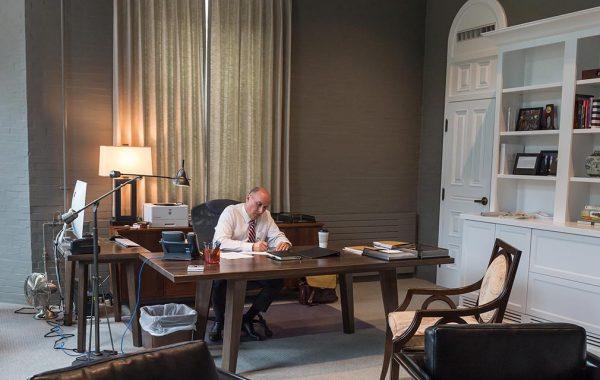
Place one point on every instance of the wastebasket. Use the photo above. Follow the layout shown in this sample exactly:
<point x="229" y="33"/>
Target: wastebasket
<point x="166" y="324"/>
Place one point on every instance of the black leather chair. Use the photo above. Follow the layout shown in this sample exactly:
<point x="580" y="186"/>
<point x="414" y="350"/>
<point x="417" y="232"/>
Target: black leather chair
<point x="206" y="215"/>
<point x="502" y="351"/>
<point x="182" y="361"/>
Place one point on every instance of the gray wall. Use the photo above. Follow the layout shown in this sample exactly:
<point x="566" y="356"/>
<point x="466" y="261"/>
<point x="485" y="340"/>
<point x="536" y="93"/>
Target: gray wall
<point x="15" y="251"/>
<point x="440" y="14"/>
<point x="355" y="106"/>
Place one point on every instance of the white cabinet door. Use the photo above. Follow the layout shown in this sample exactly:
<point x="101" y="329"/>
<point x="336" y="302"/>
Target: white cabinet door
<point x="466" y="175"/>
<point x="477" y="243"/>
<point x="519" y="238"/>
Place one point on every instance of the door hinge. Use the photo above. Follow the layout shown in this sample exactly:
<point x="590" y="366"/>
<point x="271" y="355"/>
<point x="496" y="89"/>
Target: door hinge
<point x="443" y="193"/>
<point x="446" y="126"/>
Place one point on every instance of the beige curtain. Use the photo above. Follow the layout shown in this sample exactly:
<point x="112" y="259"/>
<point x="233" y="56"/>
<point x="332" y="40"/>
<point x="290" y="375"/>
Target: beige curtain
<point x="248" y="134"/>
<point x="158" y="91"/>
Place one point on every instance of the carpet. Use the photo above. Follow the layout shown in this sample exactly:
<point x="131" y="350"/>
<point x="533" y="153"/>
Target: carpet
<point x="292" y="319"/>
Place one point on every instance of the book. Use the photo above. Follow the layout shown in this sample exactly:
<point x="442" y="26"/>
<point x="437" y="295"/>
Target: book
<point x="389" y="254"/>
<point x="389" y="244"/>
<point x="358" y="249"/>
<point x="425" y="251"/>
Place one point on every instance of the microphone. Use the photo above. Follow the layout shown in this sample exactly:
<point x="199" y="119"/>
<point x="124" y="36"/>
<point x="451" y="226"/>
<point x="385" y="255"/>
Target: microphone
<point x="69" y="216"/>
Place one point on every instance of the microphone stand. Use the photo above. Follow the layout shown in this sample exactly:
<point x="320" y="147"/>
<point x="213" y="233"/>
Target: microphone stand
<point x="69" y="217"/>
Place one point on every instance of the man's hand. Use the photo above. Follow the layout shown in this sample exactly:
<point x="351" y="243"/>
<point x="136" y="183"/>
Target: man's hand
<point x="260" y="246"/>
<point x="282" y="247"/>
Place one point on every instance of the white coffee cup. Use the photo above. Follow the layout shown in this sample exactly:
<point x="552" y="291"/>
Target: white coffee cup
<point x="323" y="237"/>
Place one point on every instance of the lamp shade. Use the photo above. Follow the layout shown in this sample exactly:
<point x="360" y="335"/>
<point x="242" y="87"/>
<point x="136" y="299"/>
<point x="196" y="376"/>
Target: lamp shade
<point x="126" y="159"/>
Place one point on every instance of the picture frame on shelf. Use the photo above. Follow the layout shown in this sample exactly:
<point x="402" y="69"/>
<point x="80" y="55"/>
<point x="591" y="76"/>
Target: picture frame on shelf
<point x="527" y="163"/>
<point x="548" y="162"/>
<point x="548" y="117"/>
<point x="529" y="119"/>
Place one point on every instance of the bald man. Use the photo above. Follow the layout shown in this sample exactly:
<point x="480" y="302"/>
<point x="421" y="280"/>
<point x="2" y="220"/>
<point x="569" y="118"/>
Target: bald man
<point x="246" y="227"/>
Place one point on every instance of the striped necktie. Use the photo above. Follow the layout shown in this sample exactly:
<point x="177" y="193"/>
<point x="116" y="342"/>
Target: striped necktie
<point x="252" y="231"/>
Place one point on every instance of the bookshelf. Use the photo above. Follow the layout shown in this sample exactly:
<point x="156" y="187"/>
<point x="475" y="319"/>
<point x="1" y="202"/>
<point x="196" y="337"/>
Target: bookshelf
<point x="541" y="63"/>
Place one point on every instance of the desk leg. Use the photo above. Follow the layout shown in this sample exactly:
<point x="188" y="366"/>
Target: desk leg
<point x="69" y="279"/>
<point x="234" y="308"/>
<point x="114" y="288"/>
<point x="131" y="295"/>
<point x="389" y="293"/>
<point x="82" y="288"/>
<point x="347" y="302"/>
<point x="203" y="292"/>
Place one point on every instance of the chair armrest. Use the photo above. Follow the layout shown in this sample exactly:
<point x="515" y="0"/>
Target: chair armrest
<point x="437" y="292"/>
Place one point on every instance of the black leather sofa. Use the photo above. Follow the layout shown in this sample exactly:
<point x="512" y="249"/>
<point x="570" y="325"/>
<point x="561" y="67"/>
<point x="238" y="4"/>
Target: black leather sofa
<point x="181" y="361"/>
<point x="503" y="351"/>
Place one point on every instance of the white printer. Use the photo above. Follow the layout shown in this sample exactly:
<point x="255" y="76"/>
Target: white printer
<point x="166" y="214"/>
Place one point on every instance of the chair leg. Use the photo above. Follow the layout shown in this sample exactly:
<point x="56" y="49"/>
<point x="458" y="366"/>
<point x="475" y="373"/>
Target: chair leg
<point x="389" y="346"/>
<point x="395" y="372"/>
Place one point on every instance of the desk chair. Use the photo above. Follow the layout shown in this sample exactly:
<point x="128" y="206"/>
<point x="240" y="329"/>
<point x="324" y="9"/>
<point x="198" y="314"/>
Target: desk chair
<point x="181" y="361"/>
<point x="204" y="220"/>
<point x="406" y="328"/>
<point x="507" y="351"/>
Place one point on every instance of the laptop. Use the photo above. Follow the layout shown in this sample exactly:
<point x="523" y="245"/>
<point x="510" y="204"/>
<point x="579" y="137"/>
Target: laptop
<point x="298" y="253"/>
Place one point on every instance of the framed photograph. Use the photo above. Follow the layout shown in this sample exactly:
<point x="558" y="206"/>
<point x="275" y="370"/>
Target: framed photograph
<point x="548" y="117"/>
<point x="548" y="162"/>
<point x="527" y="163"/>
<point x="529" y="119"/>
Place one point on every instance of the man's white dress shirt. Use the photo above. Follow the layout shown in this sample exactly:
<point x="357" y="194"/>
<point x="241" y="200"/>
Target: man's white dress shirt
<point x="232" y="229"/>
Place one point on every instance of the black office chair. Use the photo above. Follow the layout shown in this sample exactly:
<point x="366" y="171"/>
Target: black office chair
<point x="181" y="361"/>
<point x="205" y="217"/>
<point x="502" y="351"/>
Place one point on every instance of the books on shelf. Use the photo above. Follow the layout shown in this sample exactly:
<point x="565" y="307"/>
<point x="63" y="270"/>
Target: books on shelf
<point x="389" y="244"/>
<point x="587" y="112"/>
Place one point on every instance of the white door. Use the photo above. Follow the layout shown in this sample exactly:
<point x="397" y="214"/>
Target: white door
<point x="466" y="174"/>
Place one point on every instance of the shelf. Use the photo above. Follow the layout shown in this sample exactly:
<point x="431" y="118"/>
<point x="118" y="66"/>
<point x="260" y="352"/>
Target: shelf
<point x="586" y="179"/>
<point x="532" y="133"/>
<point x="584" y="82"/>
<point x="586" y="131"/>
<point x="533" y="88"/>
<point x="528" y="177"/>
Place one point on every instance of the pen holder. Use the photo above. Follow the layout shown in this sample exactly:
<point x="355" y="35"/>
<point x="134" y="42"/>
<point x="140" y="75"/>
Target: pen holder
<point x="211" y="255"/>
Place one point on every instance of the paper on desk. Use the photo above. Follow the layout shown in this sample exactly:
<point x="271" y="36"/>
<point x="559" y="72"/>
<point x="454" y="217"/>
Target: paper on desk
<point x="235" y="255"/>
<point x="255" y="253"/>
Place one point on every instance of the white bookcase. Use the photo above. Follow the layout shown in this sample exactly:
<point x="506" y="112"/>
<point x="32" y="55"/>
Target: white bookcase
<point x="558" y="278"/>
<point x="540" y="63"/>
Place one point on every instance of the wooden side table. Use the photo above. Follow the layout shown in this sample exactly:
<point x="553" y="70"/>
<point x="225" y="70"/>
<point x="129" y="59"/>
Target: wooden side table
<point x="78" y="266"/>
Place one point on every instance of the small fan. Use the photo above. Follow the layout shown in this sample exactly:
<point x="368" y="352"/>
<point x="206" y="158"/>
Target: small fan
<point x="37" y="292"/>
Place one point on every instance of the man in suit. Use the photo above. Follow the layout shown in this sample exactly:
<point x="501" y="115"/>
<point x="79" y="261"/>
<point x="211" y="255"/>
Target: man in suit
<point x="247" y="227"/>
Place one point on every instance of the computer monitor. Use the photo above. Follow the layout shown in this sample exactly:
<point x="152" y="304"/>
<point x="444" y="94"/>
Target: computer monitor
<point x="77" y="203"/>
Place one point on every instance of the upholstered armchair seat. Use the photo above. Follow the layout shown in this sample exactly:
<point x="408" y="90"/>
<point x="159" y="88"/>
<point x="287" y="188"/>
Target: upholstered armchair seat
<point x="400" y="321"/>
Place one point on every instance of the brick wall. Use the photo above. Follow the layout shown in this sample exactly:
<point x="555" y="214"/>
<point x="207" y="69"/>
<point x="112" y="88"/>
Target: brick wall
<point x="15" y="232"/>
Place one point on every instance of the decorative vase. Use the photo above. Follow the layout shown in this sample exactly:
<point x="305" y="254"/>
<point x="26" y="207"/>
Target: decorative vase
<point x="592" y="164"/>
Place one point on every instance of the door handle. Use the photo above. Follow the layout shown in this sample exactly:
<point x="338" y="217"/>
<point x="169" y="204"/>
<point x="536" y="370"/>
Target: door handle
<point x="483" y="201"/>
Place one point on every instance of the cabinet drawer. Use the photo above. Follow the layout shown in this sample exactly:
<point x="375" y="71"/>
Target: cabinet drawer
<point x="559" y="300"/>
<point x="568" y="256"/>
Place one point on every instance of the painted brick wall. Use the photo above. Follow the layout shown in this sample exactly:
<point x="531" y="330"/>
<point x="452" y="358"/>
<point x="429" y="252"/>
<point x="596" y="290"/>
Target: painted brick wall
<point x="15" y="232"/>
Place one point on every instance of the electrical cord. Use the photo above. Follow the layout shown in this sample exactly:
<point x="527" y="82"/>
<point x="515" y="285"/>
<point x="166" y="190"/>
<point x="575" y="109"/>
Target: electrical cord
<point x="59" y="344"/>
<point x="137" y="304"/>
<point x="22" y="311"/>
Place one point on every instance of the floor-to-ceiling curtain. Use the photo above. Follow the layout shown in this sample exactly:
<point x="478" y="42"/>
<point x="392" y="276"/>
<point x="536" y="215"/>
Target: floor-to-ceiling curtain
<point x="249" y="75"/>
<point x="159" y="90"/>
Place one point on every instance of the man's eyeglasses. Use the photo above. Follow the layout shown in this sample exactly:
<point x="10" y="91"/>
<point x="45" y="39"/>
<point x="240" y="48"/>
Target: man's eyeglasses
<point x="259" y="204"/>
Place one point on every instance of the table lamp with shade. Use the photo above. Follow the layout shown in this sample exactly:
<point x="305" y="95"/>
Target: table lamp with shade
<point x="126" y="159"/>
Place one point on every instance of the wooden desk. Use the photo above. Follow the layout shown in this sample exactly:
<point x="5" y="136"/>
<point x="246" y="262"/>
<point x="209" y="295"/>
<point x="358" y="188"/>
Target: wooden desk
<point x="157" y="289"/>
<point x="238" y="272"/>
<point x="114" y="255"/>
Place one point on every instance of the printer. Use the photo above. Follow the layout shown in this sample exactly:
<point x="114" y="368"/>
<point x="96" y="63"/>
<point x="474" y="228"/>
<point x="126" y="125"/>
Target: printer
<point x="166" y="214"/>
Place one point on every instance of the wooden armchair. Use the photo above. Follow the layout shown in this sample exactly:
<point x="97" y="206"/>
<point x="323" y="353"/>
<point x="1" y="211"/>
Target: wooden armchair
<point x="407" y="328"/>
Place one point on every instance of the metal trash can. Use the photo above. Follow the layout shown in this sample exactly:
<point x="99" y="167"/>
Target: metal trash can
<point x="167" y="324"/>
